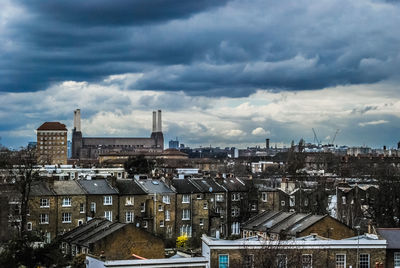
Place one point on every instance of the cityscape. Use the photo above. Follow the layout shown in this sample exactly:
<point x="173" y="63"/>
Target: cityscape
<point x="205" y="134"/>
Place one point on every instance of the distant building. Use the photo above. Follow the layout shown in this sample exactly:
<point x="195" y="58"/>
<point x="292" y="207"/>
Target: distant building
<point x="69" y="150"/>
<point x="173" y="144"/>
<point x="32" y="145"/>
<point x="92" y="147"/>
<point x="52" y="143"/>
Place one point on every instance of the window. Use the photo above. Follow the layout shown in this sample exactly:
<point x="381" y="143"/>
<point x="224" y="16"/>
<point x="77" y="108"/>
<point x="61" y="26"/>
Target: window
<point x="66" y="217"/>
<point x="186" y="229"/>
<point x="160" y="208"/>
<point x="306" y="202"/>
<point x="363" y="260"/>
<point x="253" y="207"/>
<point x="44" y="203"/>
<point x="223" y="261"/>
<point x="306" y="260"/>
<point x="185" y="198"/>
<point x="108" y="215"/>
<point x="166" y="199"/>
<point x="281" y="261"/>
<point x="248" y="261"/>
<point x="80" y="222"/>
<point x="340" y="260"/>
<point x="145" y="224"/>
<point x="44" y="218"/>
<point x="219" y="197"/>
<point x="235" y="228"/>
<point x="107" y="200"/>
<point x="129" y="201"/>
<point x="235" y="197"/>
<point x="205" y="205"/>
<point x="235" y="211"/>
<point x="186" y="214"/>
<point x="198" y="196"/>
<point x="47" y="238"/>
<point x="343" y="200"/>
<point x="29" y="226"/>
<point x="167" y="215"/>
<point x="81" y="208"/>
<point x="282" y="203"/>
<point x="292" y="201"/>
<point x="397" y="260"/>
<point x="142" y="207"/>
<point x="66" y="202"/>
<point x="161" y="223"/>
<point x="93" y="207"/>
<point x="264" y="197"/>
<point x="129" y="216"/>
<point x="201" y="223"/>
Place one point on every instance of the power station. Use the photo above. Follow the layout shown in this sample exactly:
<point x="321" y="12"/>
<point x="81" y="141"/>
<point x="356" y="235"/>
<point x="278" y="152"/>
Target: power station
<point x="91" y="147"/>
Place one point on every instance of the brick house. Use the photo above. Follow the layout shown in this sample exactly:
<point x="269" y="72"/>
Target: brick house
<point x="101" y="199"/>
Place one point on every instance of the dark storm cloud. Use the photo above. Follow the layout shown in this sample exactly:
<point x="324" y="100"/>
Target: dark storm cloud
<point x="212" y="48"/>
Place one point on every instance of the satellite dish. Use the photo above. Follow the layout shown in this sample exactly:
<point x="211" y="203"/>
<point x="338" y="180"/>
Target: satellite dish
<point x="210" y="189"/>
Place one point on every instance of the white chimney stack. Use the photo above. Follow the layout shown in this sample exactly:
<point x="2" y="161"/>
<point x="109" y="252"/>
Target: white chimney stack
<point x="159" y="121"/>
<point x="77" y="120"/>
<point x="154" y="121"/>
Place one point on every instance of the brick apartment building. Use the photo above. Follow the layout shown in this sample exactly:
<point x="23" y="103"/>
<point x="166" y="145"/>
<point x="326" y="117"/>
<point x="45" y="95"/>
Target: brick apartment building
<point x="52" y="143"/>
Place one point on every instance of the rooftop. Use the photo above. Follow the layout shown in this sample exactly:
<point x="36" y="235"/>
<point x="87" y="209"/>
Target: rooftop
<point x="52" y="126"/>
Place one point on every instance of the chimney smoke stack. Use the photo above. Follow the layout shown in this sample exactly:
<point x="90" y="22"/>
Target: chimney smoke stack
<point x="77" y="120"/>
<point x="159" y="121"/>
<point x="154" y="121"/>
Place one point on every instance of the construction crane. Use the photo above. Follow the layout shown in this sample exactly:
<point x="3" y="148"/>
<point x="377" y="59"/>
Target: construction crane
<point x="316" y="138"/>
<point x="334" y="136"/>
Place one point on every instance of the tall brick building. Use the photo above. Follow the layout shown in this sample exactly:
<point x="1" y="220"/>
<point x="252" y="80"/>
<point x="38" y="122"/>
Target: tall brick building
<point x="52" y="143"/>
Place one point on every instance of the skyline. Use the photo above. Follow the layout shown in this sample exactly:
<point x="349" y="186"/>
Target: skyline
<point x="226" y="73"/>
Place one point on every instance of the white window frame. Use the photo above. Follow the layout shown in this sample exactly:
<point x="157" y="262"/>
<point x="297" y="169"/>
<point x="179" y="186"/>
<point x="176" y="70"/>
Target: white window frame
<point x="340" y="263"/>
<point x="186" y="229"/>
<point x="396" y="259"/>
<point x="145" y="225"/>
<point x="205" y="205"/>
<point x="219" y="197"/>
<point x="167" y="215"/>
<point x="67" y="202"/>
<point x="29" y="226"/>
<point x="235" y="196"/>
<point x="44" y="202"/>
<point x="369" y="260"/>
<point x="201" y="221"/>
<point x="185" y="199"/>
<point x="166" y="199"/>
<point x="81" y="207"/>
<point x="185" y="214"/>
<point x="129" y="216"/>
<point x="93" y="207"/>
<point x="162" y="224"/>
<point x="143" y="207"/>
<point x="264" y="197"/>
<point x="224" y="265"/>
<point x="160" y="208"/>
<point x="108" y="217"/>
<point x="129" y="201"/>
<point x="306" y="265"/>
<point x="66" y="217"/>
<point x="45" y="220"/>
<point x="107" y="200"/>
<point x="283" y="203"/>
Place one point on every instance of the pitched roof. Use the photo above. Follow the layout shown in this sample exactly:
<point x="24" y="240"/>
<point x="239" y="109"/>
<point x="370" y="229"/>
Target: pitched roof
<point x="68" y="188"/>
<point x="52" y="126"/>
<point x="155" y="186"/>
<point x="185" y="186"/>
<point x="235" y="185"/>
<point x="208" y="185"/>
<point x="97" y="187"/>
<point x="392" y="235"/>
<point x="41" y="188"/>
<point x="129" y="186"/>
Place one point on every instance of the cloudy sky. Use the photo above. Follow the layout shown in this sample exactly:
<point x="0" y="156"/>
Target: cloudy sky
<point x="225" y="73"/>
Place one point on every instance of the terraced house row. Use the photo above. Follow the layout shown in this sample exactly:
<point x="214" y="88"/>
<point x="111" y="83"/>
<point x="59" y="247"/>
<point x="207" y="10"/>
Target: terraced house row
<point x="165" y="207"/>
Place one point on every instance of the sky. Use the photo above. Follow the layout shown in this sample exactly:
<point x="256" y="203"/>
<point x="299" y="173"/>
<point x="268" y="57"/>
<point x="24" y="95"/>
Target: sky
<point x="224" y="73"/>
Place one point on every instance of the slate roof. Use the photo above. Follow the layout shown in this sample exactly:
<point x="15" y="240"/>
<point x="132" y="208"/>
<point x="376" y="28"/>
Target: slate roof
<point x="155" y="186"/>
<point x="41" y="188"/>
<point x="185" y="186"/>
<point x="208" y="185"/>
<point x="235" y="185"/>
<point x="67" y="188"/>
<point x="97" y="187"/>
<point x="52" y="126"/>
<point x="129" y="186"/>
<point x="278" y="221"/>
<point x="392" y="236"/>
<point x="91" y="232"/>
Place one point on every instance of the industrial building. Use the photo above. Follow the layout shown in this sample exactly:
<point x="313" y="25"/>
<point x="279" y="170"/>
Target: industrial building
<point x="92" y="147"/>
